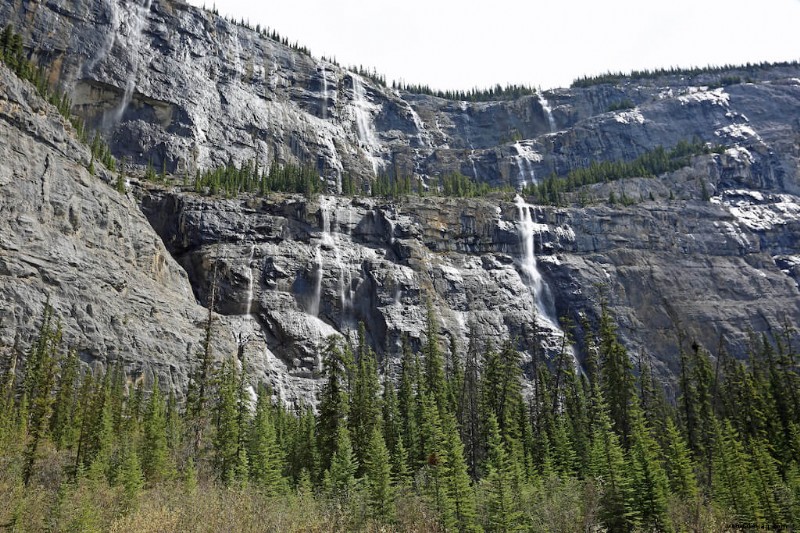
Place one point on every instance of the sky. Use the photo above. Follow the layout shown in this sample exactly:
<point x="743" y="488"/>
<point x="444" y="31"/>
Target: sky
<point x="449" y="44"/>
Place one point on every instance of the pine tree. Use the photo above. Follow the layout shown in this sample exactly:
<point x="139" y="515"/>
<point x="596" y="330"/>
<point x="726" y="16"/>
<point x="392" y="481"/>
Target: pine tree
<point x="407" y="402"/>
<point x="616" y="376"/>
<point x="227" y="454"/>
<point x="392" y="423"/>
<point x="648" y="478"/>
<point x="678" y="462"/>
<point x="333" y="399"/>
<point x="378" y="474"/>
<point x="435" y="383"/>
<point x="502" y="514"/>
<point x="62" y="424"/>
<point x="470" y="413"/>
<point x="607" y="466"/>
<point x="340" y="478"/>
<point x="732" y="481"/>
<point x="460" y="515"/>
<point x="130" y="475"/>
<point x="265" y="456"/>
<point x="40" y="379"/>
<point x="155" y="454"/>
<point x="365" y="409"/>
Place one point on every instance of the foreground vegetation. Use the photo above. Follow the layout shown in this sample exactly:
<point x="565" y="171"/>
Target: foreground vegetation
<point x="446" y="442"/>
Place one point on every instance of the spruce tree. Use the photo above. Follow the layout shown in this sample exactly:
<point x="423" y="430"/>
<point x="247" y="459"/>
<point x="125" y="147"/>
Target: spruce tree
<point x="155" y="454"/>
<point x="732" y="480"/>
<point x="460" y="515"/>
<point x="130" y="475"/>
<point x="265" y="456"/>
<point x="340" y="478"/>
<point x="62" y="424"/>
<point x="502" y="514"/>
<point x="679" y="465"/>
<point x="227" y="453"/>
<point x="608" y="467"/>
<point x="365" y="410"/>
<point x="648" y="478"/>
<point x="435" y="384"/>
<point x="378" y="473"/>
<point x="616" y="376"/>
<point x="333" y="399"/>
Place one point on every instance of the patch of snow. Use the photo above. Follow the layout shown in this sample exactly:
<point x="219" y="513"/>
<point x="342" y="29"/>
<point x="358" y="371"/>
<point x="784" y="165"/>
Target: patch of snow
<point x="741" y="132"/>
<point x="633" y="116"/>
<point x="759" y="212"/>
<point x="565" y="232"/>
<point x="740" y="154"/>
<point x="697" y="95"/>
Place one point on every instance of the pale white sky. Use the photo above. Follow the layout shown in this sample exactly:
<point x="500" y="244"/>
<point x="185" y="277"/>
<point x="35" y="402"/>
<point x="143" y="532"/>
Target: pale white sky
<point x="451" y="44"/>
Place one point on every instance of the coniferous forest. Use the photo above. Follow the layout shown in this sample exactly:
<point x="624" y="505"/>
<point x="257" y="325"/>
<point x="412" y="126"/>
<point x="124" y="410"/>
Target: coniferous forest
<point x="453" y="438"/>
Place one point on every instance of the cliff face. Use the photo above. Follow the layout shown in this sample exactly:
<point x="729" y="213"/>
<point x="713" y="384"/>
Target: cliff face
<point x="70" y="238"/>
<point x="181" y="88"/>
<point x="706" y="252"/>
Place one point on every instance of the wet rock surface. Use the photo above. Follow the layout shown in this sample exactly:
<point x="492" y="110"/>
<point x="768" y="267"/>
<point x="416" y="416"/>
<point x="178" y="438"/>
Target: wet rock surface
<point x="707" y="253"/>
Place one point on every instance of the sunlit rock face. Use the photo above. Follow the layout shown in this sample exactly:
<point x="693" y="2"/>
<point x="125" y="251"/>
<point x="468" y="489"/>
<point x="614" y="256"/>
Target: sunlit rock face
<point x="705" y="253"/>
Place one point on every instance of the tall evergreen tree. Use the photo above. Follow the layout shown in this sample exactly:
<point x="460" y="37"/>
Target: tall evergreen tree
<point x="502" y="513"/>
<point x="678" y="462"/>
<point x="648" y="478"/>
<point x="616" y="376"/>
<point x="732" y="481"/>
<point x="378" y="474"/>
<point x="155" y="454"/>
<point x="460" y="515"/>
<point x="340" y="478"/>
<point x="365" y="409"/>
<point x="435" y="384"/>
<point x="607" y="466"/>
<point x="333" y="399"/>
<point x="228" y="459"/>
<point x="265" y="456"/>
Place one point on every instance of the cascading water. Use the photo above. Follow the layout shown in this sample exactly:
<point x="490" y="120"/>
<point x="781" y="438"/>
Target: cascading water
<point x="324" y="93"/>
<point x="526" y="173"/>
<point x="250" y="282"/>
<point x="540" y="291"/>
<point x="135" y="21"/>
<point x="423" y="136"/>
<point x="528" y="229"/>
<point x="108" y="42"/>
<point x="366" y="133"/>
<point x="329" y="240"/>
<point x="548" y="112"/>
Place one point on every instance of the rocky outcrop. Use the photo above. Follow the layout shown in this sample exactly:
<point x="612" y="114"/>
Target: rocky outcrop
<point x="183" y="89"/>
<point x="69" y="238"/>
<point x="705" y="253"/>
<point x="689" y="268"/>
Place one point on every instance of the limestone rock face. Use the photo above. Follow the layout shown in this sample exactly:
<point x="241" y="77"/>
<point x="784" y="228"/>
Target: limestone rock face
<point x="68" y="237"/>
<point x="701" y="269"/>
<point x="180" y="88"/>
<point x="705" y="253"/>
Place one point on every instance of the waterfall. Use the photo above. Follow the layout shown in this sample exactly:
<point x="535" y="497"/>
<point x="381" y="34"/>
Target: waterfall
<point x="548" y="112"/>
<point x="366" y="132"/>
<point x="108" y="41"/>
<point x="329" y="240"/>
<point x="324" y="93"/>
<point x="135" y="23"/>
<point x="472" y="162"/>
<point x="250" y="281"/>
<point x="539" y="290"/>
<point x="538" y="287"/>
<point x="525" y="156"/>
<point x="423" y="136"/>
<point x="526" y="173"/>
